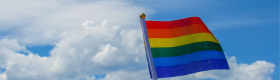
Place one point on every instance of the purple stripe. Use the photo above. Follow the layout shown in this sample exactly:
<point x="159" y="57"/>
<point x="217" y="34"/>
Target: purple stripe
<point x="189" y="68"/>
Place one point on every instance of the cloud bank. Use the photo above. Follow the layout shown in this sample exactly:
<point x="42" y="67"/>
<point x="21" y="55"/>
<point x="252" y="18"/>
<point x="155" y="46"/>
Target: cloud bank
<point x="90" y="38"/>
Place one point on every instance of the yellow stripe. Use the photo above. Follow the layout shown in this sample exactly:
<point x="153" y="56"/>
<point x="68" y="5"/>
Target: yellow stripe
<point x="182" y="40"/>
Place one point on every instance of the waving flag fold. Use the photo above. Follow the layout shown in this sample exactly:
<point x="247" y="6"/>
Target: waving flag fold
<point x="184" y="46"/>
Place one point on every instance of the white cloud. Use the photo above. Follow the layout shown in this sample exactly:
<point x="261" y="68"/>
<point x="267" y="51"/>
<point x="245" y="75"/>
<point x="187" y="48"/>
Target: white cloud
<point x="39" y="23"/>
<point x="70" y="28"/>
<point x="90" y="37"/>
<point x="79" y="55"/>
<point x="12" y="44"/>
<point x="88" y="23"/>
<point x="76" y="56"/>
<point x="3" y="76"/>
<point x="106" y="51"/>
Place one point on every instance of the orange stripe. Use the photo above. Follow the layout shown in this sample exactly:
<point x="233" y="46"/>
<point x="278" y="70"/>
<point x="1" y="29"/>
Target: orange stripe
<point x="177" y="32"/>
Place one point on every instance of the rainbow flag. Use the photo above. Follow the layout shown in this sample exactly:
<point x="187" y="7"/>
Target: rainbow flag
<point x="184" y="46"/>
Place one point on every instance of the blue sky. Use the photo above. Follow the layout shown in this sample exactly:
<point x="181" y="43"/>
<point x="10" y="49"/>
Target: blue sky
<point x="103" y="39"/>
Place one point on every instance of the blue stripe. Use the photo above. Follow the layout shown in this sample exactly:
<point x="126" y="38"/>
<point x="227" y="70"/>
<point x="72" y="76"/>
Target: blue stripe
<point x="163" y="72"/>
<point x="188" y="58"/>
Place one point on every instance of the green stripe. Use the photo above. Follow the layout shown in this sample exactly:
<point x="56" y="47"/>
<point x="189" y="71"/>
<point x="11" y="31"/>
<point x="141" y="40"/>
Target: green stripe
<point x="186" y="49"/>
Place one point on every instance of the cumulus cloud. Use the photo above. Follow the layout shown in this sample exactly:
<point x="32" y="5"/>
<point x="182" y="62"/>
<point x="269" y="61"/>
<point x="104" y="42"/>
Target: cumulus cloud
<point x="106" y="51"/>
<point x="3" y="76"/>
<point x="90" y="38"/>
<point x="40" y="22"/>
<point x="13" y="44"/>
<point x="79" y="56"/>
<point x="86" y="43"/>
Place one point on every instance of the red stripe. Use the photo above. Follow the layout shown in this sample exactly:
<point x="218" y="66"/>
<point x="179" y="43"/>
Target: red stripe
<point x="173" y="24"/>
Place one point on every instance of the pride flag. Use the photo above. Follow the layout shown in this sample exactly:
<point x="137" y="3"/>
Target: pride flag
<point x="184" y="46"/>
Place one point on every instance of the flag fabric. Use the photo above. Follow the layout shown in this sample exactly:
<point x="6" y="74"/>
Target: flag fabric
<point x="184" y="46"/>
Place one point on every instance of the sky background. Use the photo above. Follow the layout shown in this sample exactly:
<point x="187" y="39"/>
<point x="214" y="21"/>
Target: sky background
<point x="102" y="39"/>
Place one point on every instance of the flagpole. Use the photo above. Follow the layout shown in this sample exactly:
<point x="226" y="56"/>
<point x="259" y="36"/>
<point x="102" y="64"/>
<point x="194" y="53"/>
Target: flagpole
<point x="147" y="46"/>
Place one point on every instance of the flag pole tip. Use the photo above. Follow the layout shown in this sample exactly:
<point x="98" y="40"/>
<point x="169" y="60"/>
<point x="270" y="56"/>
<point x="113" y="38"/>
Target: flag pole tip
<point x="142" y="15"/>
